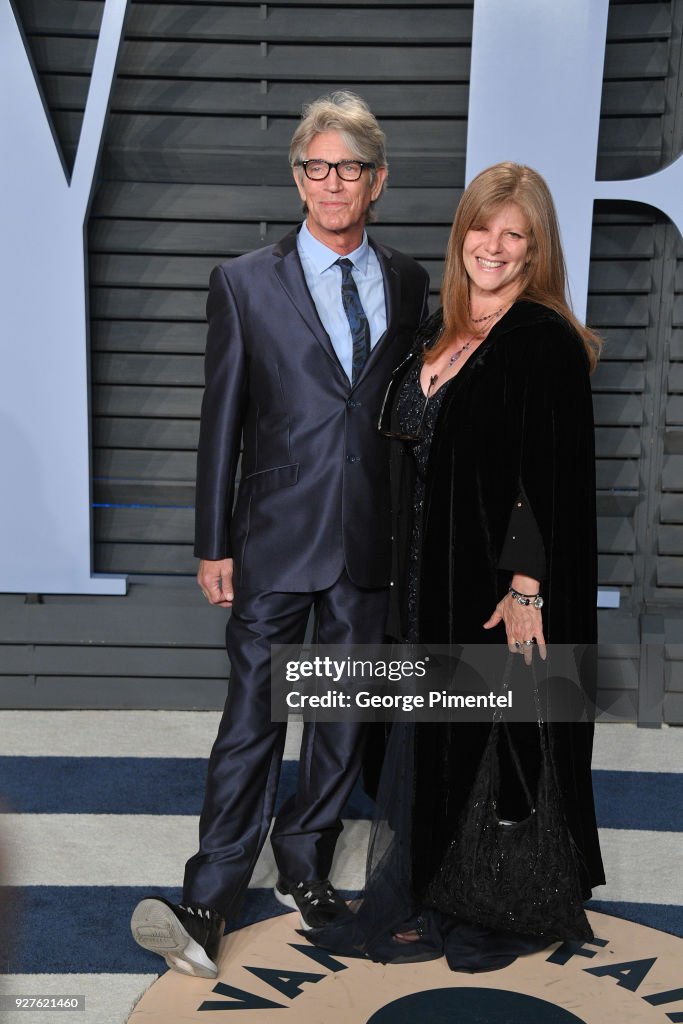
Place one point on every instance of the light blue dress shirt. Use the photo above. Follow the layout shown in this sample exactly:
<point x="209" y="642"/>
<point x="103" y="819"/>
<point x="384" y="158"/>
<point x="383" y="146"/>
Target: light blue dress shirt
<point x="324" y="283"/>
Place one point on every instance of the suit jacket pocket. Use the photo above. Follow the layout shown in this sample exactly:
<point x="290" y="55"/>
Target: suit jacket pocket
<point x="270" y="479"/>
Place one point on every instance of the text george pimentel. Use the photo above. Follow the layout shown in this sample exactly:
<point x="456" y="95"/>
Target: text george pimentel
<point x="398" y="701"/>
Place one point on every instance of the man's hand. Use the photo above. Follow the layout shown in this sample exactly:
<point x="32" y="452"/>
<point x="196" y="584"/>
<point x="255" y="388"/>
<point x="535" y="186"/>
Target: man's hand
<point x="215" y="580"/>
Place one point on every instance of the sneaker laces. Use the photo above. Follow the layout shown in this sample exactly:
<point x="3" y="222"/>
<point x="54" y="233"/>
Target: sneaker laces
<point x="314" y="892"/>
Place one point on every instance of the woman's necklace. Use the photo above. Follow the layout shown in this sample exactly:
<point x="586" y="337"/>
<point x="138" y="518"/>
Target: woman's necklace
<point x="468" y="344"/>
<point x="489" y="316"/>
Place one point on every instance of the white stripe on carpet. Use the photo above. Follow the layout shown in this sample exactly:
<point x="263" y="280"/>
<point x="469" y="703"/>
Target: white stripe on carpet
<point x="624" y="747"/>
<point x="138" y="850"/>
<point x="142" y="850"/>
<point x="191" y="734"/>
<point x="109" y="998"/>
<point x="117" y="734"/>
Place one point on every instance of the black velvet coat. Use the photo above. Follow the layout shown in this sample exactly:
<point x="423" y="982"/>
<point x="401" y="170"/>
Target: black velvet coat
<point x="518" y="415"/>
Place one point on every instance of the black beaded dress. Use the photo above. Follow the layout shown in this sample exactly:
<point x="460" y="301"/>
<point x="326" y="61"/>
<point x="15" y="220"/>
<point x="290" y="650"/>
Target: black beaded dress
<point x="416" y="416"/>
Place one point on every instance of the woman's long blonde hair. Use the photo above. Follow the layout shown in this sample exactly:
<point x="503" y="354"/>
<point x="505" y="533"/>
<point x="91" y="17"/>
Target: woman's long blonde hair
<point x="545" y="275"/>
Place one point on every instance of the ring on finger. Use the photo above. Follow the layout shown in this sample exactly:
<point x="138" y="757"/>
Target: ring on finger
<point x="518" y="644"/>
<point x="528" y="643"/>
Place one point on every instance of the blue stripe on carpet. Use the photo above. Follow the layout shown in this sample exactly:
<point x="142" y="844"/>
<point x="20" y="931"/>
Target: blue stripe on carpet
<point x="124" y="785"/>
<point x="160" y="785"/>
<point x="639" y="800"/>
<point x="86" y="929"/>
<point x="663" y="917"/>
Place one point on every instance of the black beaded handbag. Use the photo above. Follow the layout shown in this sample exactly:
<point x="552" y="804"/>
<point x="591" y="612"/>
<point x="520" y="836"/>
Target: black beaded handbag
<point x="520" y="876"/>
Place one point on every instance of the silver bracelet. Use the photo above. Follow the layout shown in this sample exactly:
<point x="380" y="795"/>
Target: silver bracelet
<point x="526" y="599"/>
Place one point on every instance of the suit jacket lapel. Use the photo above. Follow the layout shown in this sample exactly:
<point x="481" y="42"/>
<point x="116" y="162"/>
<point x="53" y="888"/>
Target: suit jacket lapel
<point x="291" y="275"/>
<point x="392" y="296"/>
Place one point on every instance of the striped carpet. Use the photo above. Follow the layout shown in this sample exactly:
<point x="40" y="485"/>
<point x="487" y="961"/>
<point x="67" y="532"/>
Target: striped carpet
<point x="100" y="808"/>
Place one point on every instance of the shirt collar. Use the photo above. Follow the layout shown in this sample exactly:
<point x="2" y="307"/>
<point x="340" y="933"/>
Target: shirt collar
<point x="321" y="257"/>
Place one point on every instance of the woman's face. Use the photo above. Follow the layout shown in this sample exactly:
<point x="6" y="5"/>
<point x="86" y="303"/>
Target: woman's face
<point x="495" y="253"/>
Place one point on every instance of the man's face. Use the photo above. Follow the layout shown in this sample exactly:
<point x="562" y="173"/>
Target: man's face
<point x="337" y="210"/>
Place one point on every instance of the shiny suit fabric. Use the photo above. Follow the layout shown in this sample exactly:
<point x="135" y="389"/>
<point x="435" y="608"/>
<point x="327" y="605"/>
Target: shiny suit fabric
<point x="309" y="529"/>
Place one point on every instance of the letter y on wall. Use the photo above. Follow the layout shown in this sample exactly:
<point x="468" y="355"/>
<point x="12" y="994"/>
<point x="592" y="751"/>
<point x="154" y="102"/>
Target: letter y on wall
<point x="45" y="512"/>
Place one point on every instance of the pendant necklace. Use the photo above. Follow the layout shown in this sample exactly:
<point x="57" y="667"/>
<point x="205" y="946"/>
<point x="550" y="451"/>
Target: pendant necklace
<point x="464" y="348"/>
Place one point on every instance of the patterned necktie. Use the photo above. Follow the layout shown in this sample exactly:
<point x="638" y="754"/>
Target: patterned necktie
<point x="358" y="322"/>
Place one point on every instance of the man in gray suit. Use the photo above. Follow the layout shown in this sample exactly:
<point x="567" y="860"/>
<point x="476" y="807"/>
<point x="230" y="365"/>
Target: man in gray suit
<point x="303" y="336"/>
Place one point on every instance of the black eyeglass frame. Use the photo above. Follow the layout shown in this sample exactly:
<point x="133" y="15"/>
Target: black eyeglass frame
<point x="340" y="163"/>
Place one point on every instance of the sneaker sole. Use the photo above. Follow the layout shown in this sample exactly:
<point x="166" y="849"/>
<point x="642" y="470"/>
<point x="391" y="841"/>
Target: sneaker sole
<point x="155" y="927"/>
<point x="287" y="900"/>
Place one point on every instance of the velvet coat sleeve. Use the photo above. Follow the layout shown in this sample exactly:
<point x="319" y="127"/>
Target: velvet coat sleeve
<point x="519" y="414"/>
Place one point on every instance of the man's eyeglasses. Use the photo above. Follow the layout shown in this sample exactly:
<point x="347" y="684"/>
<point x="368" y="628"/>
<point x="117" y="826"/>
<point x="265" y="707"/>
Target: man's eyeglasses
<point x="347" y="170"/>
<point x="417" y="436"/>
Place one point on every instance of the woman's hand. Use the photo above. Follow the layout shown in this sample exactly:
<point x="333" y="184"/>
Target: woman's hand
<point x="523" y="623"/>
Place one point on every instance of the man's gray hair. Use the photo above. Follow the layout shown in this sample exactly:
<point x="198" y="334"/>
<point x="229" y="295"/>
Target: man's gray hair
<point x="350" y="116"/>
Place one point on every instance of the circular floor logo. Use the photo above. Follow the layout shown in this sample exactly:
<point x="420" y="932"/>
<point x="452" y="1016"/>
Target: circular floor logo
<point x="628" y="972"/>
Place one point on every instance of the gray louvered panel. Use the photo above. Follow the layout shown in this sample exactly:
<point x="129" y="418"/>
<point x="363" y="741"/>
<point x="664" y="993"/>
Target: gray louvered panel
<point x="619" y="376"/>
<point x="221" y="240"/>
<point x="69" y="92"/>
<point x="671" y="508"/>
<point x="173" y="272"/>
<point x="425" y="24"/>
<point x="147" y="336"/>
<point x="638" y="21"/>
<point x="115" y="400"/>
<point x="617" y="442"/>
<point x="157" y="494"/>
<point x="669" y="571"/>
<point x="621" y="136"/>
<point x="675" y="378"/>
<point x="623" y="343"/>
<point x="446" y="99"/>
<point x="619" y="241"/>
<point x="148" y="368"/>
<point x="148" y="303"/>
<point x="672" y="473"/>
<point x="673" y="442"/>
<point x="79" y="621"/>
<point x="670" y="540"/>
<point x="265" y="61"/>
<point x="619" y="276"/>
<point x="212" y="165"/>
<point x="199" y="21"/>
<point x="155" y="271"/>
<point x="676" y="344"/>
<point x="159" y="466"/>
<point x="146" y="558"/>
<point x="610" y="504"/>
<point x="616" y="310"/>
<point x="58" y="659"/>
<point x="256" y="203"/>
<point x="622" y="98"/>
<point x="616" y="474"/>
<point x="678" y="311"/>
<point x="675" y="409"/>
<point x="191" y="693"/>
<point x="136" y="432"/>
<point x="637" y="60"/>
<point x="615" y="570"/>
<point x="158" y="525"/>
<point x="674" y="676"/>
<point x="616" y="535"/>
<point x="618" y="409"/>
<point x="269" y="141"/>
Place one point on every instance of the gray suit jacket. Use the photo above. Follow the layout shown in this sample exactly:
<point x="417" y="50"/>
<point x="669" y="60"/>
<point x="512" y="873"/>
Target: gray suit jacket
<point x="313" y="497"/>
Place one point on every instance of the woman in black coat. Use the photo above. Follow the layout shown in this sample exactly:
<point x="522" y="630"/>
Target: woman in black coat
<point x="493" y="480"/>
